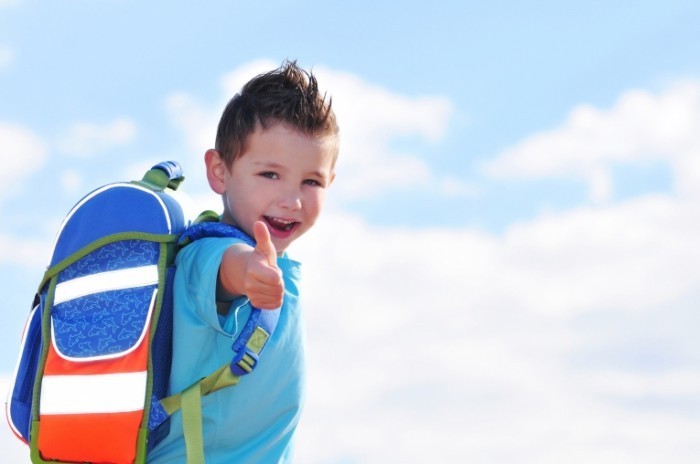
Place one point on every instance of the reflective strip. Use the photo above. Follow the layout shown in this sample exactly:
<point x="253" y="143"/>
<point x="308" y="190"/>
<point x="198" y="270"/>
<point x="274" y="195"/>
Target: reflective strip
<point x="89" y="394"/>
<point x="104" y="281"/>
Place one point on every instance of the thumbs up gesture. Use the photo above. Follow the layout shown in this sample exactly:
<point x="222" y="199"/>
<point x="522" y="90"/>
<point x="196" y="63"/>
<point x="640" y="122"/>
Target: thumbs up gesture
<point x="263" y="284"/>
<point x="263" y="243"/>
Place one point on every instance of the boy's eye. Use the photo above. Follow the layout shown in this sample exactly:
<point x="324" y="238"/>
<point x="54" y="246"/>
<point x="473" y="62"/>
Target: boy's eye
<point x="313" y="183"/>
<point x="269" y="175"/>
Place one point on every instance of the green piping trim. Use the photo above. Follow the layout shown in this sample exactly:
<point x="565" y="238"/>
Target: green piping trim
<point x="155" y="317"/>
<point x="45" y="342"/>
<point x="34" y="453"/>
<point x="100" y="242"/>
<point x="36" y="394"/>
<point x="142" y="439"/>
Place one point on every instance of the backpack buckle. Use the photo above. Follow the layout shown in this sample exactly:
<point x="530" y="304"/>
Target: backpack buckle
<point x="246" y="358"/>
<point x="244" y="362"/>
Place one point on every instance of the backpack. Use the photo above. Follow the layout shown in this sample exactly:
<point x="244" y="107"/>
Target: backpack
<point x="91" y="382"/>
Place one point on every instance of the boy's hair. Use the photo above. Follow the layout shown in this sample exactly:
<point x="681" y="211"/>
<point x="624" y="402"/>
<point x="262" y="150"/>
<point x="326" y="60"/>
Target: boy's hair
<point x="287" y="94"/>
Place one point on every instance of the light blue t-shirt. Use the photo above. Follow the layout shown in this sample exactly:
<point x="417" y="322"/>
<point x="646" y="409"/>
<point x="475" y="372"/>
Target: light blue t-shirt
<point x="254" y="421"/>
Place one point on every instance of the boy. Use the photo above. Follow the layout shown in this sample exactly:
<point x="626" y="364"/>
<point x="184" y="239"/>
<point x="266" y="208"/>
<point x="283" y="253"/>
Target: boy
<point x="276" y="147"/>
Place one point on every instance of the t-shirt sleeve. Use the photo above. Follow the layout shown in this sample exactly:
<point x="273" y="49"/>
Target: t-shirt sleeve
<point x="196" y="277"/>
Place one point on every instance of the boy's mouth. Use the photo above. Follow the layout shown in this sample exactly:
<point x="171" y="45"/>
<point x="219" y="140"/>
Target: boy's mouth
<point x="280" y="225"/>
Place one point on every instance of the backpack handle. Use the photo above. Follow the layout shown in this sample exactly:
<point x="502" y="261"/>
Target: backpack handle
<point x="167" y="174"/>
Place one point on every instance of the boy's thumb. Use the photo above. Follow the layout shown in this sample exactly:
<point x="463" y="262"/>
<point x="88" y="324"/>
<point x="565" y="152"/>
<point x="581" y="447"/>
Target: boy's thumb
<point x="263" y="243"/>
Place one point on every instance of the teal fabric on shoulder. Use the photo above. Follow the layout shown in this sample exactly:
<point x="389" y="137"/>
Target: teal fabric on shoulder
<point x="255" y="420"/>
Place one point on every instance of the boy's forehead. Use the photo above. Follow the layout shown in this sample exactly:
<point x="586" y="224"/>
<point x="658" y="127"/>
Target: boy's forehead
<point x="281" y="139"/>
<point x="282" y="131"/>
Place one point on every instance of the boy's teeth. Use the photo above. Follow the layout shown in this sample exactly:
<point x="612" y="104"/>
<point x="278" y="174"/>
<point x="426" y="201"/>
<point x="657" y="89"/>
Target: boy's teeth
<point x="280" y="223"/>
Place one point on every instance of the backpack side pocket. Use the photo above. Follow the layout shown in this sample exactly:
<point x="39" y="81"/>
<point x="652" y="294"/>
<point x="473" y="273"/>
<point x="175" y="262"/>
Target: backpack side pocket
<point x="19" y="401"/>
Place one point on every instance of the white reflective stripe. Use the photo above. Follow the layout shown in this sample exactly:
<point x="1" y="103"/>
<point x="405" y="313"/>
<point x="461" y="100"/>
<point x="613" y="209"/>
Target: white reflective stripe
<point x="104" y="281"/>
<point x="89" y="394"/>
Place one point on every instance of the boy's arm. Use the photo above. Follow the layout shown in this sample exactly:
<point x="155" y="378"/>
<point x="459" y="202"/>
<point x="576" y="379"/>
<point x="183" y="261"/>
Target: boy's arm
<point x="253" y="272"/>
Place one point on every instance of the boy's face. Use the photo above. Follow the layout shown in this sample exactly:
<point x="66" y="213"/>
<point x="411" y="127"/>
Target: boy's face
<point x="281" y="179"/>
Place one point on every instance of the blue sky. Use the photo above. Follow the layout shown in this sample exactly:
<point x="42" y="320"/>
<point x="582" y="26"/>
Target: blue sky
<point x="512" y="230"/>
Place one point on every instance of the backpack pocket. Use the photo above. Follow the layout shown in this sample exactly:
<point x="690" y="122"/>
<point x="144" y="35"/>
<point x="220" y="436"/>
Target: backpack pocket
<point x="95" y="379"/>
<point x="19" y="403"/>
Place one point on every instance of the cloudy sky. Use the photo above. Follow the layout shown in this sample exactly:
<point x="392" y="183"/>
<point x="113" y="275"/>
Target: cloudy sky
<point x="507" y="269"/>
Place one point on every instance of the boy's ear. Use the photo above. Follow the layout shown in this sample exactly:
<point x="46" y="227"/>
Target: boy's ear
<point x="216" y="171"/>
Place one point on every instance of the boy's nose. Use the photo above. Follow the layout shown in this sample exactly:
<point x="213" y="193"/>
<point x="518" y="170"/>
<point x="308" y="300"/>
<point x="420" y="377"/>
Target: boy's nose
<point x="291" y="201"/>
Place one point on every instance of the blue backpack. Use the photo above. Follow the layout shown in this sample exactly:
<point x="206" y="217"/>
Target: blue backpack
<point x="91" y="383"/>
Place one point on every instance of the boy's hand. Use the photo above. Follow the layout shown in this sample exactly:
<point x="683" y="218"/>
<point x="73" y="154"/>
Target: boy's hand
<point x="263" y="282"/>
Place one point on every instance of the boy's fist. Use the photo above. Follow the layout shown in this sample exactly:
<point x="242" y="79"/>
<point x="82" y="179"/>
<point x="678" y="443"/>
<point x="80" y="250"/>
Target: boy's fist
<point x="263" y="281"/>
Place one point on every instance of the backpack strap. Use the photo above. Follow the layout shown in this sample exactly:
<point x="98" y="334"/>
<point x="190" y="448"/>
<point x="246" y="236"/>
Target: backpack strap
<point x="246" y="348"/>
<point x="190" y="401"/>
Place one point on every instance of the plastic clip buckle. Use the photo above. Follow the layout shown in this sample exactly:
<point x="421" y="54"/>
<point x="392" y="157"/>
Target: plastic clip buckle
<point x="244" y="362"/>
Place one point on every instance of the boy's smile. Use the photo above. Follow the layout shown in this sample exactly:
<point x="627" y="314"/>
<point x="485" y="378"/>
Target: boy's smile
<point x="280" y="178"/>
<point x="280" y="227"/>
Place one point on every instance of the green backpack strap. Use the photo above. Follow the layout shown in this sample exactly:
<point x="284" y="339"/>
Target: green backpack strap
<point x="190" y="401"/>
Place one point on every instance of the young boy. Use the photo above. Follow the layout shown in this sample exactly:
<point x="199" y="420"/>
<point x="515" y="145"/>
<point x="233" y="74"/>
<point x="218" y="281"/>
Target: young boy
<point x="276" y="147"/>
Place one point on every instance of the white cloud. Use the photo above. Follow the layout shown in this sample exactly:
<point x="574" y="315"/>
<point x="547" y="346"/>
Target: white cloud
<point x="23" y="252"/>
<point x="71" y="180"/>
<point x="85" y="139"/>
<point x="455" y="187"/>
<point x="640" y="126"/>
<point x="198" y="121"/>
<point x="23" y="154"/>
<point x="370" y="118"/>
<point x="233" y="81"/>
<point x="456" y="346"/>
<point x="542" y="344"/>
<point x="13" y="450"/>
